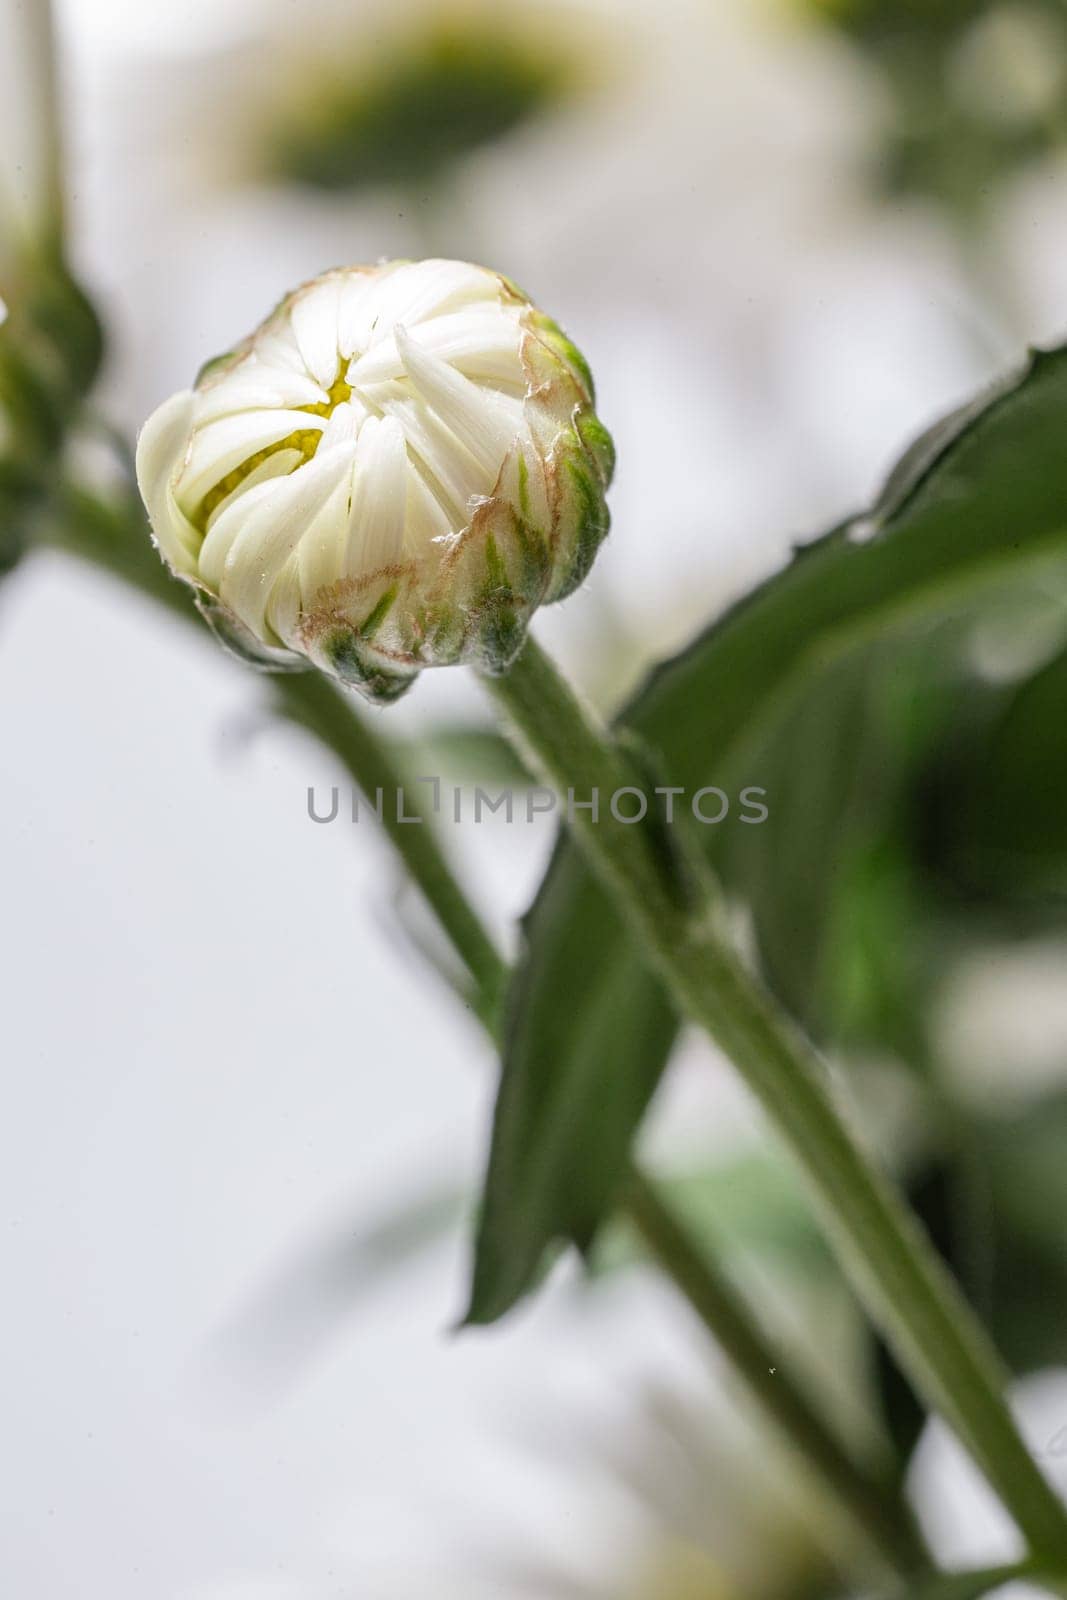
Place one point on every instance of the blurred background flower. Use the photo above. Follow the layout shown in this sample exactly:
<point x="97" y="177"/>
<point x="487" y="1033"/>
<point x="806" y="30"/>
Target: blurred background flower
<point x="786" y="235"/>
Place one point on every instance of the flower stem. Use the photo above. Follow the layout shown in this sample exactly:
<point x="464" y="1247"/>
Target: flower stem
<point x="669" y="902"/>
<point x="308" y="698"/>
<point x="116" y="539"/>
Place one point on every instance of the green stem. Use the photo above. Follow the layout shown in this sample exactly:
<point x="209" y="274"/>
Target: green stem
<point x="310" y="699"/>
<point x="657" y="885"/>
<point x="875" y="1510"/>
<point x="115" y="538"/>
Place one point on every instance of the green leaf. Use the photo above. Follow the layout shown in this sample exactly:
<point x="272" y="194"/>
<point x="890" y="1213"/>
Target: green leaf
<point x="838" y="859"/>
<point x="981" y="498"/>
<point x="1002" y="798"/>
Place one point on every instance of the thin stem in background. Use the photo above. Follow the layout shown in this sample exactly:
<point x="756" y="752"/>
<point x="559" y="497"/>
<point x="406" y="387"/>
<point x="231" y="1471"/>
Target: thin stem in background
<point x="312" y="701"/>
<point x="31" y="188"/>
<point x="904" y="1283"/>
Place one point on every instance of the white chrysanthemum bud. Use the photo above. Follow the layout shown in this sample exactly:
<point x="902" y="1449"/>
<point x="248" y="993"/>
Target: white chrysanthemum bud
<point x="392" y="473"/>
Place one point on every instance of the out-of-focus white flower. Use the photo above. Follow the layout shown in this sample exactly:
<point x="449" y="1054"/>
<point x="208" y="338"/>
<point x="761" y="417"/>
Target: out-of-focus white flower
<point x="402" y="93"/>
<point x="388" y="92"/>
<point x="393" y="472"/>
<point x="670" y="1496"/>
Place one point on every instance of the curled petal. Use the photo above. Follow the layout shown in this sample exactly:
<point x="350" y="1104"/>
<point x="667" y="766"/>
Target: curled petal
<point x="161" y="447"/>
<point x="226" y="443"/>
<point x="379" y="498"/>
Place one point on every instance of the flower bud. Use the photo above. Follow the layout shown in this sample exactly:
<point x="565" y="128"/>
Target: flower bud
<point x="391" y="473"/>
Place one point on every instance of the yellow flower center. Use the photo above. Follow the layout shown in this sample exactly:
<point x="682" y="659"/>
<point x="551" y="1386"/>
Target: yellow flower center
<point x="306" y="440"/>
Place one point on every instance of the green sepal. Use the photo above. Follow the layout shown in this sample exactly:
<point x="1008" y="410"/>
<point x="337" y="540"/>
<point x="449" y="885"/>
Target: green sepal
<point x="535" y="558"/>
<point x="356" y="665"/>
<point x="552" y="334"/>
<point x="501" y="631"/>
<point x="212" y="366"/>
<point x="597" y="441"/>
<point x="586" y="511"/>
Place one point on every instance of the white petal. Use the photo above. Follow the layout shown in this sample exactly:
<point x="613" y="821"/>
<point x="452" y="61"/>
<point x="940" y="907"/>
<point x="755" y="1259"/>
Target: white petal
<point x="422" y="289"/>
<point x="271" y="533"/>
<point x="284" y="608"/>
<point x="320" y="555"/>
<point x="486" y="423"/>
<point x="343" y="425"/>
<point x="359" y="307"/>
<point x="226" y="526"/>
<point x="483" y="342"/>
<point x="255" y="386"/>
<point x="277" y="465"/>
<point x="379" y="498"/>
<point x="230" y="521"/>
<point x="225" y="444"/>
<point x="313" y="315"/>
<point x="276" y="348"/>
<point x="161" y="448"/>
<point x="450" y="469"/>
<point x="426" y="520"/>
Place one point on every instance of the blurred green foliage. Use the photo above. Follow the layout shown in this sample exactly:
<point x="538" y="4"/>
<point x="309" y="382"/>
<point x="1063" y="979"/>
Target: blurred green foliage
<point x="992" y="1195"/>
<point x="997" y="802"/>
<point x="412" y="113"/>
<point x="975" y="92"/>
<point x="51" y="347"/>
<point x="18" y="495"/>
<point x="832" y="884"/>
